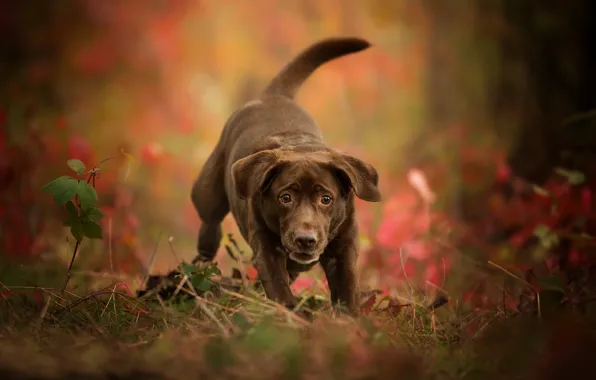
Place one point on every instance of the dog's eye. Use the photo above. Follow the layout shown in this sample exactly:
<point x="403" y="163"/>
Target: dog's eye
<point x="285" y="198"/>
<point x="325" y="199"/>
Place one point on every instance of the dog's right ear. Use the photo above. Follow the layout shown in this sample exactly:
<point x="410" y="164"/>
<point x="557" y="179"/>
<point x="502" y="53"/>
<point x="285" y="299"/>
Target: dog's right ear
<point x="254" y="173"/>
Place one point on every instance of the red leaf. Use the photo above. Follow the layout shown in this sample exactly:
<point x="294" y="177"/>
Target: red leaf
<point x="586" y="201"/>
<point x="394" y="307"/>
<point x="417" y="180"/>
<point x="61" y="122"/>
<point x="367" y="305"/>
<point x="132" y="221"/>
<point x="3" y="136"/>
<point x="38" y="299"/>
<point x="520" y="238"/>
<point x="417" y="250"/>
<point x="302" y="283"/>
<point x="251" y="272"/>
<point x="152" y="152"/>
<point x="79" y="148"/>
<point x="575" y="256"/>
<point x="433" y="274"/>
<point x="503" y="173"/>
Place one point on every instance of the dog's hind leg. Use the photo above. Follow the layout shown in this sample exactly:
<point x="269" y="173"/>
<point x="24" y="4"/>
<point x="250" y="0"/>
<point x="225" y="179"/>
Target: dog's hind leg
<point x="211" y="202"/>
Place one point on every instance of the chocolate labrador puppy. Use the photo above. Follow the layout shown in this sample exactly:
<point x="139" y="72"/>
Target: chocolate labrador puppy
<point x="291" y="195"/>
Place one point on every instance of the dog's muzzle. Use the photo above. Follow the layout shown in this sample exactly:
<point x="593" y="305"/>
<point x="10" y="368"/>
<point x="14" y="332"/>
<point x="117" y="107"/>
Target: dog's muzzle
<point x="300" y="257"/>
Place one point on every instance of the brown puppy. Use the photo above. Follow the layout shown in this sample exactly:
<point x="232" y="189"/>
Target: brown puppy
<point x="291" y="195"/>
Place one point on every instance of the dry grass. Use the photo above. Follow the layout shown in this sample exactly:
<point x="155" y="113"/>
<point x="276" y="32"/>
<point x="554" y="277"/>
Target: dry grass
<point x="97" y="330"/>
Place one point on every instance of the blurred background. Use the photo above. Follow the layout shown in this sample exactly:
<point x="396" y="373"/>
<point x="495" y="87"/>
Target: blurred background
<point x="462" y="106"/>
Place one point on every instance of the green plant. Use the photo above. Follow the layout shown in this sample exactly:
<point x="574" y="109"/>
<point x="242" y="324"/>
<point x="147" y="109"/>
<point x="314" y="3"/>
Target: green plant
<point x="78" y="196"/>
<point x="200" y="278"/>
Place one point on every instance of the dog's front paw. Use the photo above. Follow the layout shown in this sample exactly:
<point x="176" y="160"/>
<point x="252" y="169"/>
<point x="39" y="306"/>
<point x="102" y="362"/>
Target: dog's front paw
<point x="203" y="258"/>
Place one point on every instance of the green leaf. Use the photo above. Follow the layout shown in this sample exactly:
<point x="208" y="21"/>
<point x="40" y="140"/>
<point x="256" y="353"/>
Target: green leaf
<point x="189" y="269"/>
<point x="580" y="117"/>
<point x="92" y="230"/>
<point x="76" y="229"/>
<point x="541" y="231"/>
<point x="201" y="283"/>
<point x="130" y="160"/>
<point x="554" y="283"/>
<point x="62" y="189"/>
<point x="72" y="210"/>
<point x="547" y="238"/>
<point x="541" y="191"/>
<point x="87" y="195"/>
<point x="212" y="270"/>
<point x="574" y="177"/>
<point x="76" y="165"/>
<point x="240" y="320"/>
<point x="93" y="215"/>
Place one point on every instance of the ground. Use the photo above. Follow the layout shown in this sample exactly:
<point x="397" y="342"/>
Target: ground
<point x="97" y="330"/>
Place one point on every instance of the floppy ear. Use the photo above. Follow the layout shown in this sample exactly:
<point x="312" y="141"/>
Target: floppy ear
<point x="358" y="175"/>
<point x="254" y="173"/>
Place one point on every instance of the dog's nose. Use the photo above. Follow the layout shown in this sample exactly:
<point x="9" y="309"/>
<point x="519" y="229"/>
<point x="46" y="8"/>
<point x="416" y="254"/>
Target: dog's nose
<point x="305" y="240"/>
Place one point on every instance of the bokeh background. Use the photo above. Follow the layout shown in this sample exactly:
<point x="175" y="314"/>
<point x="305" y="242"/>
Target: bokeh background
<point x="454" y="101"/>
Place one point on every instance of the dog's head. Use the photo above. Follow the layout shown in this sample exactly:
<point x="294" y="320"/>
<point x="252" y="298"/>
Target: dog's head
<point x="304" y="197"/>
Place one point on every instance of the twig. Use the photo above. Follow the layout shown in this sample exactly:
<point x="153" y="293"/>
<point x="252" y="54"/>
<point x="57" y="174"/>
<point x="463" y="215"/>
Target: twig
<point x="81" y="300"/>
<point x="235" y="244"/>
<point x="74" y="255"/>
<point x="151" y="260"/>
<point x="110" y="244"/>
<point x="270" y="304"/>
<point x="208" y="311"/>
<point x="403" y="268"/>
<point x="170" y="240"/>
<point x="242" y="268"/>
<point x="523" y="281"/>
<point x="5" y="299"/>
<point x="109" y="299"/>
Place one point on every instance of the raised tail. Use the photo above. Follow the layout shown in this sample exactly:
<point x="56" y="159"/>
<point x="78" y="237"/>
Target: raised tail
<point x="290" y="78"/>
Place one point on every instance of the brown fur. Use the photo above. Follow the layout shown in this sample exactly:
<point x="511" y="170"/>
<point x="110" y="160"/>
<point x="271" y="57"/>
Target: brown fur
<point x="291" y="195"/>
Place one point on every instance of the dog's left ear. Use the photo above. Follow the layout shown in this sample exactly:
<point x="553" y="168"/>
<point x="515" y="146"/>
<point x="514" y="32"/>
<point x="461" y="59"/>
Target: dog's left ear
<point x="254" y="173"/>
<point x="358" y="175"/>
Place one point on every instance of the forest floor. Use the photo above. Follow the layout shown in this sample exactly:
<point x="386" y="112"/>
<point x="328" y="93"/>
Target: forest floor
<point x="97" y="330"/>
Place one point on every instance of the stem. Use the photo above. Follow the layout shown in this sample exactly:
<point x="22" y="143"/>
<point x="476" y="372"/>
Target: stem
<point x="76" y="248"/>
<point x="91" y="177"/>
<point x="74" y="255"/>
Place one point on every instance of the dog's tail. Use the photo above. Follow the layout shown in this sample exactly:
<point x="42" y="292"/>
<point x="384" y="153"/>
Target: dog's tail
<point x="291" y="77"/>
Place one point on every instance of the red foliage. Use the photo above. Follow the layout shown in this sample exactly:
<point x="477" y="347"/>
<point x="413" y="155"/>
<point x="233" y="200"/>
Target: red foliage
<point x="36" y="296"/>
<point x="152" y="152"/>
<point x="80" y="148"/>
<point x="366" y="306"/>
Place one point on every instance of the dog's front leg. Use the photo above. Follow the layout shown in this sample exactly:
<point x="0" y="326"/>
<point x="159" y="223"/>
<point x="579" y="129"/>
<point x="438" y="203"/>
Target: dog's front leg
<point x="272" y="272"/>
<point x="339" y="264"/>
<point x="347" y="280"/>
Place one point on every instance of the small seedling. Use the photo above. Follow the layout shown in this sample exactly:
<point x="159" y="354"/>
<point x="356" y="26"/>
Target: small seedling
<point x="200" y="278"/>
<point x="78" y="196"/>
